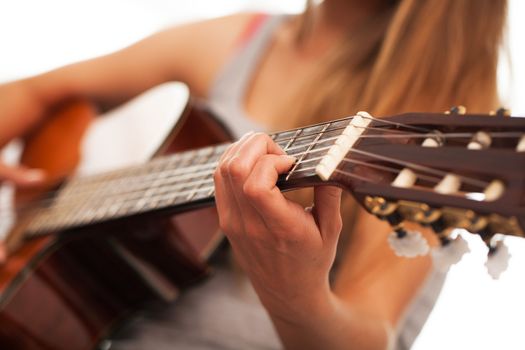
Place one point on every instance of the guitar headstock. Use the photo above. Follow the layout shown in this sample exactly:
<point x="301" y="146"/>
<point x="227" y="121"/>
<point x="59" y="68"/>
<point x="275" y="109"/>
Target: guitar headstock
<point x="444" y="171"/>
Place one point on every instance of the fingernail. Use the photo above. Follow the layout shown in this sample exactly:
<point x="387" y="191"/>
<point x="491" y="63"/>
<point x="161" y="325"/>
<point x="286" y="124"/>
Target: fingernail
<point x="34" y="175"/>
<point x="291" y="159"/>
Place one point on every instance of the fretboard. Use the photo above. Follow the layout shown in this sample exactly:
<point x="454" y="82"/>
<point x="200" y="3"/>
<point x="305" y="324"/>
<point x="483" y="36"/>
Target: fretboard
<point x="169" y="182"/>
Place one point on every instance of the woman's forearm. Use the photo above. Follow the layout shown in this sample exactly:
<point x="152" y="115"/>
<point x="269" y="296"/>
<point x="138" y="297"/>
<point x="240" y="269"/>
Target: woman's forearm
<point x="331" y="324"/>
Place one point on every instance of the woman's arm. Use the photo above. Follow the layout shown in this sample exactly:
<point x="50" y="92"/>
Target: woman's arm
<point x="190" y="53"/>
<point x="287" y="252"/>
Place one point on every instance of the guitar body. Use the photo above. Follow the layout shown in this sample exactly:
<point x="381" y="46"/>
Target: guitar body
<point x="71" y="291"/>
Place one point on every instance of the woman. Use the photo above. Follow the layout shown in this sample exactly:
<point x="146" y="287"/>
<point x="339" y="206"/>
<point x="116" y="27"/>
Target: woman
<point x="383" y="56"/>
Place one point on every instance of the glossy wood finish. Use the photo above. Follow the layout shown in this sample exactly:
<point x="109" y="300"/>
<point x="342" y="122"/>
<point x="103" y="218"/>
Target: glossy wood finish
<point x="499" y="162"/>
<point x="71" y="291"/>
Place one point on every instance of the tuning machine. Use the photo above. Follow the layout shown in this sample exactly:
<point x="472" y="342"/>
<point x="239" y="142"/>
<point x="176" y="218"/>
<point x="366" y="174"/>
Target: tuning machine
<point x="501" y="112"/>
<point x="498" y="256"/>
<point x="404" y="243"/>
<point x="457" y="110"/>
<point x="451" y="249"/>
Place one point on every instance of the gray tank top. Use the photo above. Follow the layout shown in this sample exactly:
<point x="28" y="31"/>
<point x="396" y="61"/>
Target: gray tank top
<point x="227" y="94"/>
<point x="227" y="98"/>
<point x="224" y="311"/>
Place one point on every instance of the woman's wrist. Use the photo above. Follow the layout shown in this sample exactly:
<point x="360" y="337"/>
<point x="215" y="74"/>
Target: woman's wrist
<point x="301" y="308"/>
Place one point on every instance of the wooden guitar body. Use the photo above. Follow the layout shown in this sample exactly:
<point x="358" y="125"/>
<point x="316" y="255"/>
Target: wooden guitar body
<point x="70" y="290"/>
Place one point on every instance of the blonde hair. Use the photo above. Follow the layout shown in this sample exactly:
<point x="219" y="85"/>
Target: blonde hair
<point x="413" y="56"/>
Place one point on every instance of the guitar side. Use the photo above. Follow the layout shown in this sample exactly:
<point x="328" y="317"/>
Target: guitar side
<point x="71" y="290"/>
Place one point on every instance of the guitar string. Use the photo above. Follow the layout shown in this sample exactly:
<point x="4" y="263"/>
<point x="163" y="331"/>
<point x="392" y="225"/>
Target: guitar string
<point x="470" y="180"/>
<point x="171" y="172"/>
<point x="475" y="182"/>
<point x="338" y="128"/>
<point x="450" y="135"/>
<point x="109" y="184"/>
<point x="445" y="135"/>
<point x="169" y="196"/>
<point x="176" y="175"/>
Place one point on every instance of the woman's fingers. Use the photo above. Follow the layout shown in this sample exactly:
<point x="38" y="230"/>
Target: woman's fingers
<point x="248" y="152"/>
<point x="21" y="176"/>
<point x="327" y="210"/>
<point x="260" y="187"/>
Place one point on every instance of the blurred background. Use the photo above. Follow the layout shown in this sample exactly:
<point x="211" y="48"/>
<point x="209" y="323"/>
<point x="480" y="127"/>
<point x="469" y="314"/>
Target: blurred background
<point x="473" y="312"/>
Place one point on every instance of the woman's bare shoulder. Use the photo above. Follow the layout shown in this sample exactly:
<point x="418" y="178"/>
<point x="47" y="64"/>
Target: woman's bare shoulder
<point x="198" y="50"/>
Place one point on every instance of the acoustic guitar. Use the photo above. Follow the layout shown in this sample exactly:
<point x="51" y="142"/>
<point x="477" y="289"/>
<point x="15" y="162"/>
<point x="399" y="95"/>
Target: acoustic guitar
<point x="88" y="249"/>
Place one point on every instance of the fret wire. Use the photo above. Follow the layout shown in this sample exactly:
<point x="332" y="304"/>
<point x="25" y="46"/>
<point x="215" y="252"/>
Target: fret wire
<point x="206" y="178"/>
<point x="317" y="143"/>
<point x="82" y="210"/>
<point x="110" y="197"/>
<point x="303" y="136"/>
<point x="297" y="133"/>
<point x="187" y="155"/>
<point x="143" y="180"/>
<point x="95" y="217"/>
<point x="87" y="184"/>
<point x="321" y="123"/>
<point x="139" y="177"/>
<point x="308" y="150"/>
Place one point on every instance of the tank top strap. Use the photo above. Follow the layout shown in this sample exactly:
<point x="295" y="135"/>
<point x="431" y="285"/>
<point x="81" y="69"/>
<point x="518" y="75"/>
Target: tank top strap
<point x="251" y="28"/>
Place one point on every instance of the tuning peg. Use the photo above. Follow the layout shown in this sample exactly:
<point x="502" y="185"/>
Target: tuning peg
<point x="497" y="259"/>
<point x="449" y="253"/>
<point x="408" y="244"/>
<point x="457" y="110"/>
<point x="501" y="112"/>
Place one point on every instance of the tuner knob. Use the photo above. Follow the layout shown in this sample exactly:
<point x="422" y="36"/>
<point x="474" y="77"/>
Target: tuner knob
<point x="497" y="259"/>
<point x="455" y="110"/>
<point x="501" y="112"/>
<point x="408" y="244"/>
<point x="450" y="252"/>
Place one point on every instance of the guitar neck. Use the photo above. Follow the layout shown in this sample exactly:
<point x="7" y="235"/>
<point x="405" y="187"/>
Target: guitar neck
<point x="172" y="183"/>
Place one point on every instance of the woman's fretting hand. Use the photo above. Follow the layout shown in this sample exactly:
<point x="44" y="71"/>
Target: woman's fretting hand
<point x="286" y="251"/>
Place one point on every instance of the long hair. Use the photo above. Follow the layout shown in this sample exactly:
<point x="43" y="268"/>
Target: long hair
<point x="413" y="56"/>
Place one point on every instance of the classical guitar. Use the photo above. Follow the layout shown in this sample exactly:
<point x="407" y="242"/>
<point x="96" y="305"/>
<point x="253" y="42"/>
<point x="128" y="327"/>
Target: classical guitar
<point x="86" y="251"/>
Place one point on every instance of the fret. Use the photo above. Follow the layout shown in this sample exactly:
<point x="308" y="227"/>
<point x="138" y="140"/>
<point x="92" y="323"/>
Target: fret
<point x="291" y="141"/>
<point x="204" y="179"/>
<point x="161" y="183"/>
<point x="308" y="144"/>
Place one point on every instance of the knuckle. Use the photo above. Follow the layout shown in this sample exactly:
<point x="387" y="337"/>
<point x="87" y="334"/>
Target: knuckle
<point x="253" y="190"/>
<point x="261" y="138"/>
<point x="217" y="176"/>
<point x="335" y="226"/>
<point x="237" y="168"/>
<point x="267" y="161"/>
<point x="224" y="167"/>
<point x="338" y="223"/>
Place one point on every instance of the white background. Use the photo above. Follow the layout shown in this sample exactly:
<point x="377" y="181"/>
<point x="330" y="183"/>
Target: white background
<point x="474" y="312"/>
